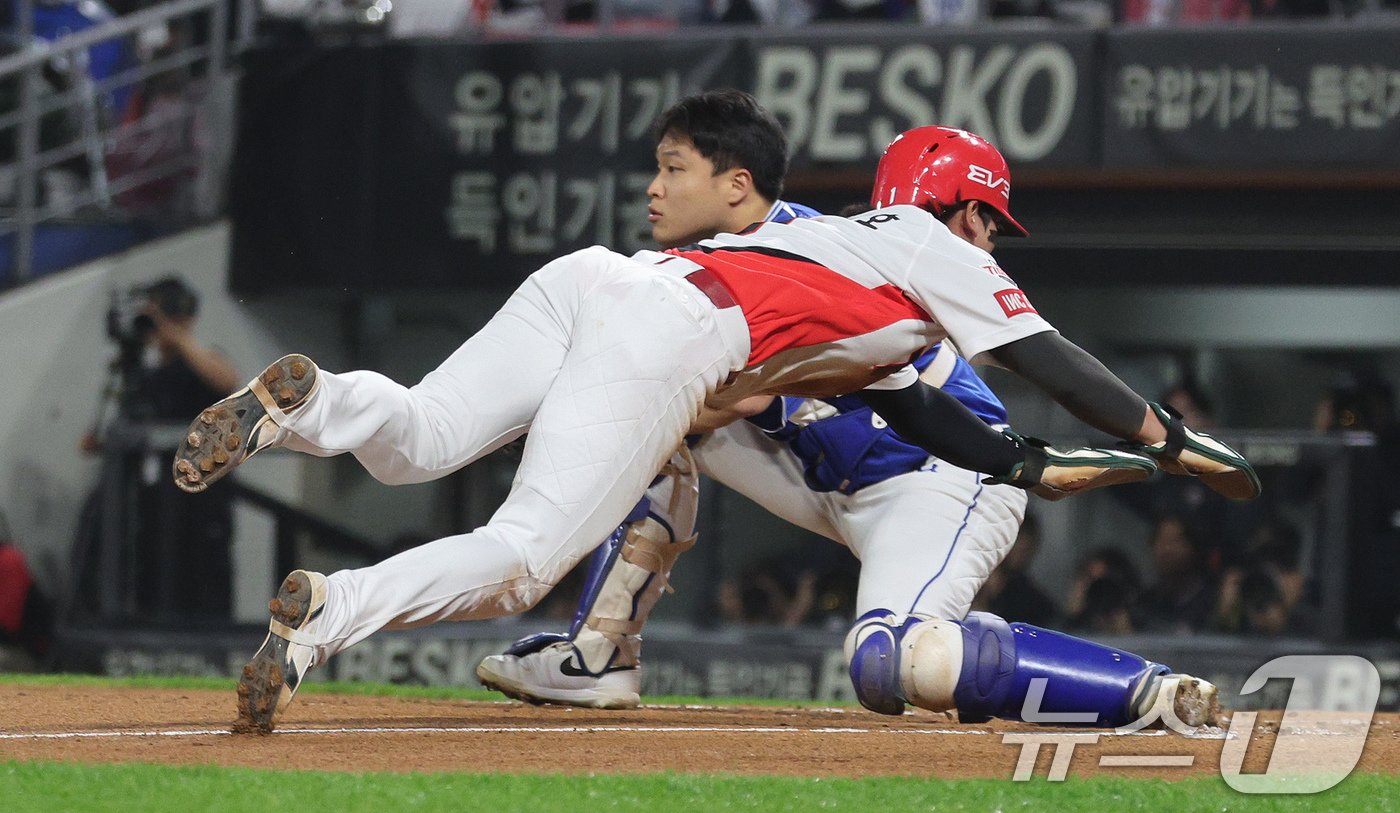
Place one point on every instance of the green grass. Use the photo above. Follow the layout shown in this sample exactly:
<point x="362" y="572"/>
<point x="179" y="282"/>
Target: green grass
<point x="51" y="788"/>
<point x="61" y="787"/>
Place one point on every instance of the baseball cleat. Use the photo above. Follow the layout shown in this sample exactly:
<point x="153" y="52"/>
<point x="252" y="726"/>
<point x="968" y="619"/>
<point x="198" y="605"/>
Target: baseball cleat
<point x="243" y="424"/>
<point x="273" y="675"/>
<point x="553" y="675"/>
<point x="1192" y="701"/>
<point x="1054" y="474"/>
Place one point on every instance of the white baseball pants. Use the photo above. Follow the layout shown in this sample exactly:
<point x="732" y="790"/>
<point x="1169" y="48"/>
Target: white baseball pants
<point x="605" y="360"/>
<point x="926" y="540"/>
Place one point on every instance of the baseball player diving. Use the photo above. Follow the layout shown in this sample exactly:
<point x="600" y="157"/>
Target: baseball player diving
<point x="927" y="533"/>
<point x="609" y="361"/>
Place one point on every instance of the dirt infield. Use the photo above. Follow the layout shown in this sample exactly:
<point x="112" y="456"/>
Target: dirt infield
<point x="353" y="733"/>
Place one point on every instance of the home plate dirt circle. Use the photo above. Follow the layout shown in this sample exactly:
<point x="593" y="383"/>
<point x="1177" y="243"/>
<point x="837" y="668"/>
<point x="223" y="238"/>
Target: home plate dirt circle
<point x="355" y="733"/>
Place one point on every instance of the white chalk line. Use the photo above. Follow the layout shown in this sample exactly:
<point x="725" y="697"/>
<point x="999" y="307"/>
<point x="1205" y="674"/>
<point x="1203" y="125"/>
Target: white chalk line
<point x="509" y="729"/>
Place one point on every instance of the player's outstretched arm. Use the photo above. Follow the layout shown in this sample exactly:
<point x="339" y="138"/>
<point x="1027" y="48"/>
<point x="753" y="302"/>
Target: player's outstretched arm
<point x="1084" y="386"/>
<point x="940" y="423"/>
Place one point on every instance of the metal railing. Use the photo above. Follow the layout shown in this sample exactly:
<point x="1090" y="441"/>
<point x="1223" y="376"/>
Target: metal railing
<point x="99" y="164"/>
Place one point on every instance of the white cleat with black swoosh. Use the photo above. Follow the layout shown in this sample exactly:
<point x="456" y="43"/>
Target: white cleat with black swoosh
<point x="555" y="674"/>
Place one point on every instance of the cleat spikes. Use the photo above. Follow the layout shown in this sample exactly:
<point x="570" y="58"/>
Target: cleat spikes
<point x="271" y="678"/>
<point x="244" y="423"/>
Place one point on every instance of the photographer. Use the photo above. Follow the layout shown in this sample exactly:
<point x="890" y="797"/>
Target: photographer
<point x="174" y="557"/>
<point x="165" y="372"/>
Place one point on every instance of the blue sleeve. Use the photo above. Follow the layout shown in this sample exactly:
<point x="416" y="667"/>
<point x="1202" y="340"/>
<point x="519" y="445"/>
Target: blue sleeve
<point x="786" y="212"/>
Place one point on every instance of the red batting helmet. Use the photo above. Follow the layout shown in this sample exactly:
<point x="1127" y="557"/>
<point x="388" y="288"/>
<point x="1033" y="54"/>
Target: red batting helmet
<point x="940" y="167"/>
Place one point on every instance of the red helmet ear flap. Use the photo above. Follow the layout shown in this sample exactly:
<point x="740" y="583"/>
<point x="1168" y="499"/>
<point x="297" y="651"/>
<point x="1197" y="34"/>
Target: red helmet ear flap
<point x="939" y="167"/>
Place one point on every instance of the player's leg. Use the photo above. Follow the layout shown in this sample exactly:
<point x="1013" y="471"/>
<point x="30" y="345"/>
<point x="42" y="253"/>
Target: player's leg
<point x="746" y="460"/>
<point x="627" y="577"/>
<point x="929" y="652"/>
<point x="616" y="410"/>
<point x="479" y="398"/>
<point x="596" y="664"/>
<point x="928" y="540"/>
<point x="983" y="666"/>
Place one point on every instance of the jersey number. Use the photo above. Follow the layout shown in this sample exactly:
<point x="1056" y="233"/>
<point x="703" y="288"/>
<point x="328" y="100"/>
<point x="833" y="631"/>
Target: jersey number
<point x="874" y="221"/>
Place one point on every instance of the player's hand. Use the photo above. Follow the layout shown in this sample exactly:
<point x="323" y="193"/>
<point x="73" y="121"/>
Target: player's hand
<point x="1053" y="474"/>
<point x="712" y="418"/>
<point x="1188" y="452"/>
<point x="168" y="331"/>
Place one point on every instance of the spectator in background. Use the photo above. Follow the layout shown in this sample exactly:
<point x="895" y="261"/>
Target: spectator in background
<point x="26" y="616"/>
<point x="57" y="128"/>
<point x="1182" y="597"/>
<point x="1260" y="597"/>
<point x="1221" y="525"/>
<point x="166" y="373"/>
<point x="161" y="134"/>
<point x="1009" y="591"/>
<point x="768" y="592"/>
<point x="105" y="59"/>
<point x="803" y="588"/>
<point x="1357" y="402"/>
<point x="1101" y="598"/>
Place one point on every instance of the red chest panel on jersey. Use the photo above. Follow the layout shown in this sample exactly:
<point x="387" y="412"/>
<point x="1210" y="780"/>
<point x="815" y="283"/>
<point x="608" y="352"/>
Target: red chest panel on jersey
<point x="792" y="302"/>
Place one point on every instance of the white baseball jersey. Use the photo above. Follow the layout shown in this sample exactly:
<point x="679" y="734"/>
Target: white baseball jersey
<point x="806" y="288"/>
<point x="608" y="362"/>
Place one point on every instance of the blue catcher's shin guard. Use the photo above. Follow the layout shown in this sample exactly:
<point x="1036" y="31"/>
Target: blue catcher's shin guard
<point x="985" y="667"/>
<point x="1084" y="683"/>
<point x="599" y="563"/>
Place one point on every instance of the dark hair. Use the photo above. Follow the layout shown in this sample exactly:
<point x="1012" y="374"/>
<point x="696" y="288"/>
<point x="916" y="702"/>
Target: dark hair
<point x="173" y="297"/>
<point x="731" y="129"/>
<point x="1276" y="542"/>
<point x="1258" y="590"/>
<point x="1117" y="564"/>
<point x="987" y="213"/>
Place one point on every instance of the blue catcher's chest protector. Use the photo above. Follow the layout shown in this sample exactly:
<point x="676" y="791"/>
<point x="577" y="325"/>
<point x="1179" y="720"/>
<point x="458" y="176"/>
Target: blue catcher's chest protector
<point x="855" y="448"/>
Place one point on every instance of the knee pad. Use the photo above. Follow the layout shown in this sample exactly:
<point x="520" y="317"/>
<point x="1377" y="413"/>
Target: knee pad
<point x="897" y="659"/>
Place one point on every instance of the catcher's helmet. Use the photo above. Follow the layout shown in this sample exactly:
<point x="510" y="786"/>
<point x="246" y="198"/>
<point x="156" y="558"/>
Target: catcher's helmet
<point x="939" y="167"/>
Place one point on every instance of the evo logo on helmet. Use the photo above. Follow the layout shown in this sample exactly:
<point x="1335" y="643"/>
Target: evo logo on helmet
<point x="989" y="179"/>
<point x="1013" y="301"/>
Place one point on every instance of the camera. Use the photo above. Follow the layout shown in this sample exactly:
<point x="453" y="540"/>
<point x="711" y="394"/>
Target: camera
<point x="128" y="322"/>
